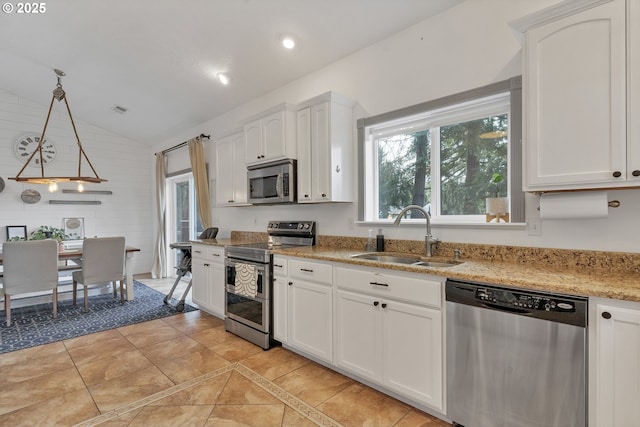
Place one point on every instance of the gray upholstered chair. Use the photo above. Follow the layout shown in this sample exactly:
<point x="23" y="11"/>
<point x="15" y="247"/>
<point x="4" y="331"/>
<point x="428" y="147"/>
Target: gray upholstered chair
<point x="102" y="262"/>
<point x="30" y="266"/>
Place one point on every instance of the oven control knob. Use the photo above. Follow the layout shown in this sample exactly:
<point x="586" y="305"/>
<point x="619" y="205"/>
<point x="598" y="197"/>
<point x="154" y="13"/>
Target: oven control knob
<point x="306" y="226"/>
<point x="275" y="225"/>
<point x="299" y="226"/>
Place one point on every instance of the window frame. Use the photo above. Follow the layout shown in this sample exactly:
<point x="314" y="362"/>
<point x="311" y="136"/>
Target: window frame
<point x="366" y="153"/>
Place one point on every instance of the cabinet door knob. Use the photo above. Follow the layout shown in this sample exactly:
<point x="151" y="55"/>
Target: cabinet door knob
<point x="257" y="157"/>
<point x="636" y="172"/>
<point x="306" y="196"/>
<point x="606" y="315"/>
<point x="324" y="195"/>
<point x="290" y="283"/>
<point x="375" y="303"/>
<point x="617" y="174"/>
<point x="384" y="305"/>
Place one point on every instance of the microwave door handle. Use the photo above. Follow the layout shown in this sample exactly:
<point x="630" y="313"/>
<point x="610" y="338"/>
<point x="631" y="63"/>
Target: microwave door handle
<point x="279" y="186"/>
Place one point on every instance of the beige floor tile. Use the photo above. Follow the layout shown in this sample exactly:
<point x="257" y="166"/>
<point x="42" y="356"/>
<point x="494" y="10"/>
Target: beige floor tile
<point x="193" y="322"/>
<point x="212" y="337"/>
<point x="292" y="418"/>
<point x="275" y="362"/>
<point x="34" y="367"/>
<point x="246" y="415"/>
<point x="236" y="350"/>
<point x="119" y="391"/>
<point x="64" y="410"/>
<point x="148" y="333"/>
<point x="171" y="416"/>
<point x="241" y="391"/>
<point x="205" y="393"/>
<point x="25" y="393"/>
<point x="358" y="405"/>
<point x="313" y="383"/>
<point x="123" y="420"/>
<point x="420" y="419"/>
<point x="108" y="368"/>
<point x="90" y="348"/>
<point x="171" y="349"/>
<point x="191" y="365"/>
<point x="23" y="356"/>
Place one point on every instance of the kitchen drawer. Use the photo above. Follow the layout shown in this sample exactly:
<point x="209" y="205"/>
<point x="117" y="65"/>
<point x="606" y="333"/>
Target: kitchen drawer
<point x="311" y="271"/>
<point x="208" y="253"/>
<point x="280" y="266"/>
<point x="419" y="289"/>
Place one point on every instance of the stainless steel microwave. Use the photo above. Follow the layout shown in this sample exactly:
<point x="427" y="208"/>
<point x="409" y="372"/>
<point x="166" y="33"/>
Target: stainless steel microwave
<point x="274" y="182"/>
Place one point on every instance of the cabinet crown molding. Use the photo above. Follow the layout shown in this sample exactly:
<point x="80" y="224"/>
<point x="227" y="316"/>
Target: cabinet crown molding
<point x="551" y="14"/>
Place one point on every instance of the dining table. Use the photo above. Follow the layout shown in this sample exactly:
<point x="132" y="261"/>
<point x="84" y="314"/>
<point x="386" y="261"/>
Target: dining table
<point x="75" y="255"/>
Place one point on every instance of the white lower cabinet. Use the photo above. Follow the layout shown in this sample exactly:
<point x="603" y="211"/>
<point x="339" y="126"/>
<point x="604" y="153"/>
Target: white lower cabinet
<point x="389" y="331"/>
<point x="280" y="299"/>
<point x="310" y="308"/>
<point x="208" y="277"/>
<point x="614" y="358"/>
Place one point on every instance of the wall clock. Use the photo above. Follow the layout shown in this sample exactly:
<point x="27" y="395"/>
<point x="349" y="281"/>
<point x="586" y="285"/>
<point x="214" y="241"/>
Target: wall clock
<point x="30" y="196"/>
<point x="27" y="144"/>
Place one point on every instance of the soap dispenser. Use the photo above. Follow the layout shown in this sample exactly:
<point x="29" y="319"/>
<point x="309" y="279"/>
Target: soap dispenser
<point x="380" y="241"/>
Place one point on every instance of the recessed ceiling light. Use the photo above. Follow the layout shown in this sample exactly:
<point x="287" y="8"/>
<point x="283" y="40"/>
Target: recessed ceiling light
<point x="223" y="78"/>
<point x="288" y="43"/>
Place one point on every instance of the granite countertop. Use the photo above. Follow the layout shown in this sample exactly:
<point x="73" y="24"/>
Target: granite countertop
<point x="585" y="273"/>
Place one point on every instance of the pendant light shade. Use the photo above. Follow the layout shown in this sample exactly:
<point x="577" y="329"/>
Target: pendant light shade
<point x="37" y="156"/>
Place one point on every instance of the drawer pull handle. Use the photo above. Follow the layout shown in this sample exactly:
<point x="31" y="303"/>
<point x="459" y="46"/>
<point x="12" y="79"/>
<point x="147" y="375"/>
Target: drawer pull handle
<point x="606" y="315"/>
<point x="375" y="303"/>
<point x="308" y="270"/>
<point x="198" y="252"/>
<point x="384" y="305"/>
<point x="215" y="254"/>
<point x="378" y="284"/>
<point x="278" y="265"/>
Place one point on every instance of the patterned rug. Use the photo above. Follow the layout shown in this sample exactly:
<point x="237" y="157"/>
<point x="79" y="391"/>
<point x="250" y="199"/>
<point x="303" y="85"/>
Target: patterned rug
<point x="34" y="325"/>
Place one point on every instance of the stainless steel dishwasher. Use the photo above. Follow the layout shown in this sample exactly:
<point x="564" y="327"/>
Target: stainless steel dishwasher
<point x="515" y="358"/>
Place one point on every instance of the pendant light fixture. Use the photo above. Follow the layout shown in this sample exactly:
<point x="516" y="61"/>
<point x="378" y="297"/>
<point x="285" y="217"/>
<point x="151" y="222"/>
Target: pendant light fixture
<point x="58" y="95"/>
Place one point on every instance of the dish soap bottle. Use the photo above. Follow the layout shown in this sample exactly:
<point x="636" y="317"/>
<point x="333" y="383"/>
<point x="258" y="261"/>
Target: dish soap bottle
<point x="380" y="241"/>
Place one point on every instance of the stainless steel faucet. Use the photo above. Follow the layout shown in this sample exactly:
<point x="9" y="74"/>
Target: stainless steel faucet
<point x="428" y="239"/>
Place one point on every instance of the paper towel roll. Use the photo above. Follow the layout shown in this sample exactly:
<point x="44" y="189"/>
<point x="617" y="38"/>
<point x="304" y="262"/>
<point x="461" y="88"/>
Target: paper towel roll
<point x="584" y="204"/>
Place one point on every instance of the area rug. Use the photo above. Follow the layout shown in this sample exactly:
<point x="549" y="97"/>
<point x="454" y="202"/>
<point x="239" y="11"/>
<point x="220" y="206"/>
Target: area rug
<point x="34" y="325"/>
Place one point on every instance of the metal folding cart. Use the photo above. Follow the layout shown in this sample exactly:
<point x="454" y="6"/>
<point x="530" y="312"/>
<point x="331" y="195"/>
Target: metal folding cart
<point x="185" y="266"/>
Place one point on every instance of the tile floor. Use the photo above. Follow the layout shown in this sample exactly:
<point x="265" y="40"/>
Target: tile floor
<point x="184" y="370"/>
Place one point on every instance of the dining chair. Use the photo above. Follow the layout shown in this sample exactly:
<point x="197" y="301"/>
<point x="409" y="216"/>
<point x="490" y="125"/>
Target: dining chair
<point x="29" y="266"/>
<point x="102" y="262"/>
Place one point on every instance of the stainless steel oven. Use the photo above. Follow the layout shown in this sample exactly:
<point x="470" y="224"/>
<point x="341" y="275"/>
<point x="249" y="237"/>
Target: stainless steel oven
<point x="249" y="280"/>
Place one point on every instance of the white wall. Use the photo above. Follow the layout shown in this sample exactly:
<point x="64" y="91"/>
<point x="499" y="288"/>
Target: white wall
<point x="121" y="161"/>
<point x="468" y="46"/>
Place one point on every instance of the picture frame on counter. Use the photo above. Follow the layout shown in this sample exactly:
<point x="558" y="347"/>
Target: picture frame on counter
<point x="16" y="232"/>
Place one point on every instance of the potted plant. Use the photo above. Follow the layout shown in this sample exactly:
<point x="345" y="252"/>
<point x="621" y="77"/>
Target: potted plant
<point x="497" y="207"/>
<point x="48" y="232"/>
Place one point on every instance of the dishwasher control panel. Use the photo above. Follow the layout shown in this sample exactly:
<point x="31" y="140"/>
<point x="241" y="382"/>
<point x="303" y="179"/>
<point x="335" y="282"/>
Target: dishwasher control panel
<point x="523" y="300"/>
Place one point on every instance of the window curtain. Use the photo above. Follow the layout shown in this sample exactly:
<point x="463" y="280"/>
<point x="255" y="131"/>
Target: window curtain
<point x="198" y="168"/>
<point x="159" y="268"/>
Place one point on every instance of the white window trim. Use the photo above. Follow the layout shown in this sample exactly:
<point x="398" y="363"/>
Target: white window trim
<point x="498" y="98"/>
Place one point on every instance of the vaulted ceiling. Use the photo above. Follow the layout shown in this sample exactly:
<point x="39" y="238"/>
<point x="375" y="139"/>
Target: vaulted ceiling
<point x="159" y="58"/>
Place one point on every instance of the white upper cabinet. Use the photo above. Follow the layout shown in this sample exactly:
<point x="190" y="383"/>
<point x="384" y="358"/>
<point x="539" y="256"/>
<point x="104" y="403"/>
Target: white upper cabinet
<point x="271" y="136"/>
<point x="575" y="98"/>
<point x="231" y="172"/>
<point x="633" y="89"/>
<point x="325" y="149"/>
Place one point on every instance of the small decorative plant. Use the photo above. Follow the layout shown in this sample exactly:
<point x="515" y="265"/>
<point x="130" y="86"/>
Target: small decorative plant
<point x="47" y="232"/>
<point x="496" y="180"/>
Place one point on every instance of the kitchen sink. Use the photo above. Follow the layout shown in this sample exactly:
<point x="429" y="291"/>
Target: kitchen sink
<point x="405" y="259"/>
<point x="437" y="263"/>
<point x="388" y="258"/>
